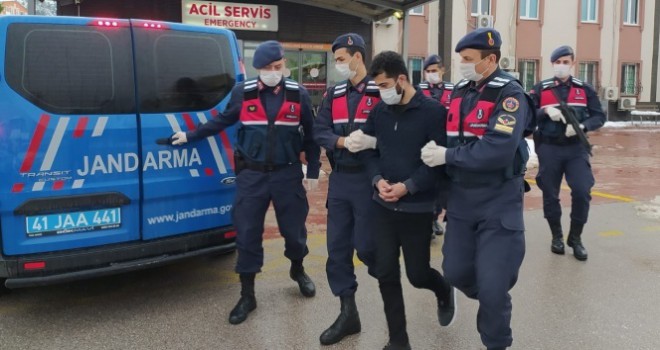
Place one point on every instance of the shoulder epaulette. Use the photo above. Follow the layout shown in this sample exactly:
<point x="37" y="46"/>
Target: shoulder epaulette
<point x="340" y="88"/>
<point x="250" y="84"/>
<point x="498" y="82"/>
<point x="291" y="84"/>
<point x="462" y="84"/>
<point x="449" y="86"/>
<point x="577" y="82"/>
<point x="372" y="89"/>
<point x="548" y="83"/>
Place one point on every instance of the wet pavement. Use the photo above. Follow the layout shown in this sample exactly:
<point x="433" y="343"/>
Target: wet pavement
<point x="608" y="302"/>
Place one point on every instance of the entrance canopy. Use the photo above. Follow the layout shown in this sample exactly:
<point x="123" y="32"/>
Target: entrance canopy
<point x="369" y="10"/>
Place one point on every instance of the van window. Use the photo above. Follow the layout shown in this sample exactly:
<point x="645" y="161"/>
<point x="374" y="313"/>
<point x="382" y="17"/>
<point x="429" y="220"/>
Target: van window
<point x="71" y="69"/>
<point x="182" y="71"/>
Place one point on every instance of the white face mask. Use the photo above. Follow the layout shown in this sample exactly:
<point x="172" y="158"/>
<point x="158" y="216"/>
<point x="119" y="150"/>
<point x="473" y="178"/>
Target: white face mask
<point x="469" y="71"/>
<point x="433" y="78"/>
<point x="270" y="77"/>
<point x="562" y="71"/>
<point x="390" y="95"/>
<point x="344" y="70"/>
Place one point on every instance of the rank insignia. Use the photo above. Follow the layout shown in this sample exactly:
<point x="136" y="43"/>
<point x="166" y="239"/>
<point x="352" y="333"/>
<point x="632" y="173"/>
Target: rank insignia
<point x="505" y="124"/>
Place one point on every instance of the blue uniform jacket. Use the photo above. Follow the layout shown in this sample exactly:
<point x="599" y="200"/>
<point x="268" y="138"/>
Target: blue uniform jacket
<point x="402" y="131"/>
<point x="272" y="103"/>
<point x="496" y="149"/>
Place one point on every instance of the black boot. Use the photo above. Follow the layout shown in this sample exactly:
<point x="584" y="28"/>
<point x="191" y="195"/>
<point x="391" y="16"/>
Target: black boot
<point x="395" y="314"/>
<point x="346" y="324"/>
<point x="247" y="303"/>
<point x="557" y="246"/>
<point x="297" y="273"/>
<point x="574" y="241"/>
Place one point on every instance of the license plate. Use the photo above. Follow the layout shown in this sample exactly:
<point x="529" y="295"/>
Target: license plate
<point x="82" y="221"/>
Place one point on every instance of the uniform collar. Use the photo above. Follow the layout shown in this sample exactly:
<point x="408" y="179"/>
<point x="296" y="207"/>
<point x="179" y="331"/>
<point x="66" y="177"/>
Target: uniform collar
<point x="274" y="90"/>
<point x="361" y="86"/>
<point x="496" y="73"/>
<point x="558" y="82"/>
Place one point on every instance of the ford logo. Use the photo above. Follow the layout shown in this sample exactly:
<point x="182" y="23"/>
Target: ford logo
<point x="228" y="180"/>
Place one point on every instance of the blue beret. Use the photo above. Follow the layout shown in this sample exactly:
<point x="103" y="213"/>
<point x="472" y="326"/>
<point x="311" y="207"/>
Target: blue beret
<point x="480" y="39"/>
<point x="561" y="52"/>
<point x="433" y="59"/>
<point x="349" y="40"/>
<point x="267" y="53"/>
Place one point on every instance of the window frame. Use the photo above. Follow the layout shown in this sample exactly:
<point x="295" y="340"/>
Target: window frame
<point x="412" y="72"/>
<point x="480" y="9"/>
<point x="523" y="67"/>
<point x="590" y="67"/>
<point x="527" y="16"/>
<point x="595" y="12"/>
<point x="624" y="87"/>
<point x="412" y="12"/>
<point x="627" y="13"/>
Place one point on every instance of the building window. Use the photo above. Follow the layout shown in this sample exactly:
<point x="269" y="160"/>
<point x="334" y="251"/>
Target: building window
<point x="527" y="69"/>
<point x="529" y="9"/>
<point x="417" y="11"/>
<point x="631" y="12"/>
<point x="589" y="10"/>
<point x="629" y="79"/>
<point x="588" y="72"/>
<point x="415" y="70"/>
<point x="480" y="7"/>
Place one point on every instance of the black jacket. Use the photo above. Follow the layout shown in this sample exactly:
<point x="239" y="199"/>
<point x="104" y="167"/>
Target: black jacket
<point x="402" y="131"/>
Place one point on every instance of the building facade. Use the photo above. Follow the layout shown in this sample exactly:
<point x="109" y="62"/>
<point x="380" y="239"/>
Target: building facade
<point x="615" y="41"/>
<point x="13" y="8"/>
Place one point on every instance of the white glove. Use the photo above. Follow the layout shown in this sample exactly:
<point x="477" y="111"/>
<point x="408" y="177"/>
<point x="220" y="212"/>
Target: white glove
<point x="433" y="155"/>
<point x="360" y="141"/>
<point x="555" y="114"/>
<point x="310" y="184"/>
<point x="348" y="143"/>
<point x="179" y="138"/>
<point x="570" y="131"/>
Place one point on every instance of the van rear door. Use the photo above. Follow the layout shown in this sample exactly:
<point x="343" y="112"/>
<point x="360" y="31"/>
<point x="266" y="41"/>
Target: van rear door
<point x="68" y="134"/>
<point x="184" y="77"/>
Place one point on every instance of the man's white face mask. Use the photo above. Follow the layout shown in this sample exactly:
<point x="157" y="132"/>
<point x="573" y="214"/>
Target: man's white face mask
<point x="344" y="69"/>
<point x="561" y="71"/>
<point x="270" y="77"/>
<point x="391" y="96"/>
<point x="433" y="77"/>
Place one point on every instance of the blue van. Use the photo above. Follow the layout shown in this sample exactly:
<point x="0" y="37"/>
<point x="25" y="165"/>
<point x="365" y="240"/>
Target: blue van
<point x="85" y="189"/>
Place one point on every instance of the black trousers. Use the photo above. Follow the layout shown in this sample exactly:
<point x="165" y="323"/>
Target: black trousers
<point x="411" y="232"/>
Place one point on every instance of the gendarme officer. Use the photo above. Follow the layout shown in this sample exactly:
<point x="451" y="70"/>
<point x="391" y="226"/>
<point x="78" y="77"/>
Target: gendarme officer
<point x="560" y="151"/>
<point x="485" y="244"/>
<point x="269" y="111"/>
<point x="345" y="109"/>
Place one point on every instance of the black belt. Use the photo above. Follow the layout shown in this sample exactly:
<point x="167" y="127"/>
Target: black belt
<point x="351" y="169"/>
<point x="559" y="140"/>
<point x="265" y="168"/>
